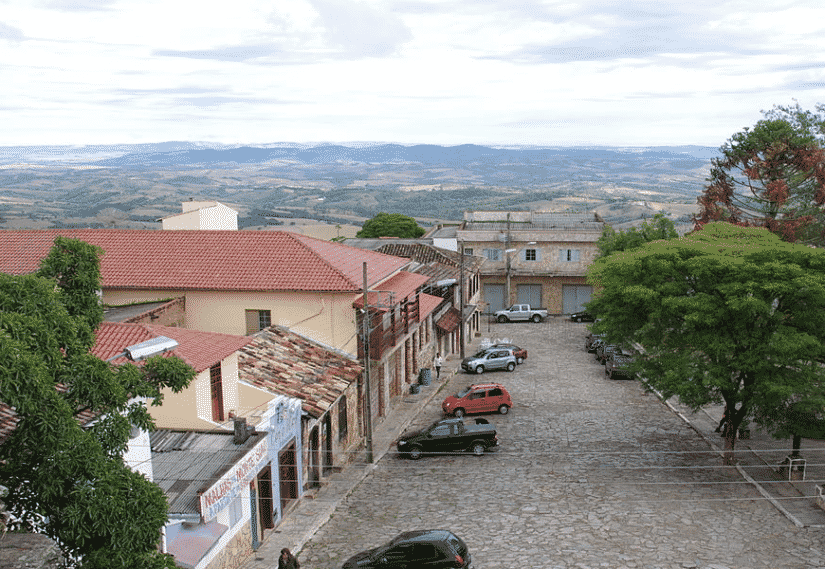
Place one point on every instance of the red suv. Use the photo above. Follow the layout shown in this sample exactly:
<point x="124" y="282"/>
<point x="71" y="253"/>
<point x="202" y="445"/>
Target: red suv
<point x="478" y="398"/>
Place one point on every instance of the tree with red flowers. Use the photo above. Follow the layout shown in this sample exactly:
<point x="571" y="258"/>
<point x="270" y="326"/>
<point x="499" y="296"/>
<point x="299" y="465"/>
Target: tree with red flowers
<point x="773" y="176"/>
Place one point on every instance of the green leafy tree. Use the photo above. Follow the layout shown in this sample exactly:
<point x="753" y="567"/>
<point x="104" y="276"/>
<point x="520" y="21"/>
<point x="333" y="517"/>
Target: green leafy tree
<point x="773" y="176"/>
<point x="659" y="227"/>
<point x="728" y="314"/>
<point x="65" y="481"/>
<point x="390" y="225"/>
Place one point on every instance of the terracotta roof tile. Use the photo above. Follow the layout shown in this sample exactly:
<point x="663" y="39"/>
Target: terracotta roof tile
<point x="208" y="260"/>
<point x="427" y="304"/>
<point x="199" y="349"/>
<point x="450" y="321"/>
<point x="395" y="289"/>
<point x="287" y="363"/>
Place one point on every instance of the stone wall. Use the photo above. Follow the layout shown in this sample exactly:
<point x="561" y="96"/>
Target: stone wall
<point x="28" y="551"/>
<point x="173" y="313"/>
<point x="236" y="551"/>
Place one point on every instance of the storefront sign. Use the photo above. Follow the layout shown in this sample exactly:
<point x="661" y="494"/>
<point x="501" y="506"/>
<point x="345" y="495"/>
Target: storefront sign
<point x="221" y="494"/>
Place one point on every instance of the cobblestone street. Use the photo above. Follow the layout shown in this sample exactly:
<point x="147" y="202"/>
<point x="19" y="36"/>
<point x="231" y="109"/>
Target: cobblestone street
<point x="589" y="473"/>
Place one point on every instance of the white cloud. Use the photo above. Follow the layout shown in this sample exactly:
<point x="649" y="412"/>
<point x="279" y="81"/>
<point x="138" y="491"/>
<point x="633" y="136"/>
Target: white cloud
<point x="438" y="71"/>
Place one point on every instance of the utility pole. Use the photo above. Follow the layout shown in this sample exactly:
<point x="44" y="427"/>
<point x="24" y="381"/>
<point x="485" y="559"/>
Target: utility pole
<point x="367" y="395"/>
<point x="507" y="266"/>
<point x="461" y="300"/>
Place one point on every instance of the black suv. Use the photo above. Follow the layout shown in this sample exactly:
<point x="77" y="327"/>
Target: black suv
<point x="424" y="549"/>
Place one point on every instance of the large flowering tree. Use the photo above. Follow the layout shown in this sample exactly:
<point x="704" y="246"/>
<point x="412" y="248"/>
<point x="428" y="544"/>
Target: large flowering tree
<point x="773" y="176"/>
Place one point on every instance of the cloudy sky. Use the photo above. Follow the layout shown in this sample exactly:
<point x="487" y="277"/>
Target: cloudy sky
<point x="623" y="72"/>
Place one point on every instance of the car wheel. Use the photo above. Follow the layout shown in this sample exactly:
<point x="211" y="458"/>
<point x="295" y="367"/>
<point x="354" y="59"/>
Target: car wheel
<point x="502" y="319"/>
<point x="511" y="366"/>
<point x="520" y="361"/>
<point x="415" y="452"/>
<point x="459" y="412"/>
<point x="478" y="449"/>
<point x="536" y="318"/>
<point x="480" y="370"/>
<point x="504" y="409"/>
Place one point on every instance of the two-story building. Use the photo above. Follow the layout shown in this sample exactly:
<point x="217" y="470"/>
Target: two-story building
<point x="227" y="453"/>
<point x="240" y="282"/>
<point x="532" y="257"/>
<point x="445" y="268"/>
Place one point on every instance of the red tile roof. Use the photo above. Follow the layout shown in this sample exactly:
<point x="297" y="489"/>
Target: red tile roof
<point x="450" y="321"/>
<point x="199" y="349"/>
<point x="426" y="304"/>
<point x="287" y="363"/>
<point x="208" y="260"/>
<point x="393" y="290"/>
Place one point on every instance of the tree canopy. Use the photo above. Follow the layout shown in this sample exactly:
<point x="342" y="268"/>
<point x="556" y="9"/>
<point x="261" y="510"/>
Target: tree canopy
<point x="391" y="225"/>
<point x="728" y="314"/>
<point x="659" y="227"/>
<point x="773" y="176"/>
<point x="64" y="480"/>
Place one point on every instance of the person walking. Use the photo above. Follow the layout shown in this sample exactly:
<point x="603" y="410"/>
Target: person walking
<point x="287" y="560"/>
<point x="437" y="361"/>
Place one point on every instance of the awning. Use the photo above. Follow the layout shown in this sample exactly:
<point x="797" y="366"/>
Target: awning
<point x="450" y="320"/>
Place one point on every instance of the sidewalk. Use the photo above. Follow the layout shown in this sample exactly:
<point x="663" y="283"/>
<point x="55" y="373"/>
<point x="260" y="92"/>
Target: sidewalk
<point x="316" y="507"/>
<point x="758" y="460"/>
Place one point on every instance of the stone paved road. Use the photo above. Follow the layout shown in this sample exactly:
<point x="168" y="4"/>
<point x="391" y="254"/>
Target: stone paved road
<point x="590" y="473"/>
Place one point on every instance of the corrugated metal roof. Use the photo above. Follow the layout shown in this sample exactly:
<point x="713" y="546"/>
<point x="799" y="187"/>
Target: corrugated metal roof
<point x="185" y="463"/>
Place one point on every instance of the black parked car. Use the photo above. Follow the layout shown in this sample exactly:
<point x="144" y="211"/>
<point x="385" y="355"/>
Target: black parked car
<point x="420" y="549"/>
<point x="618" y="363"/>
<point x="449" y="436"/>
<point x="584" y="316"/>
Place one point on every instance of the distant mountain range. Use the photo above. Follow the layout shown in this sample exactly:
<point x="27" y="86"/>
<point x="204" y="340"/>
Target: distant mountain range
<point x="132" y="185"/>
<point x="191" y="153"/>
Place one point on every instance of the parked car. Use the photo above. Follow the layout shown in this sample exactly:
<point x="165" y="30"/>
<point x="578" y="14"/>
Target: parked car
<point x="478" y="398"/>
<point x="590" y="342"/>
<point x="489" y="360"/>
<point x="618" y="364"/>
<point x="521" y="313"/>
<point x="520" y="353"/>
<point x="584" y="316"/>
<point x="604" y="350"/>
<point x="595" y="341"/>
<point x="425" y="549"/>
<point x="448" y="436"/>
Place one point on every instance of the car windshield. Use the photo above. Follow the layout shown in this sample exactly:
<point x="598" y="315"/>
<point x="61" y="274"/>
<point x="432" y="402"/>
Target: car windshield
<point x="481" y="353"/>
<point x="463" y="392"/>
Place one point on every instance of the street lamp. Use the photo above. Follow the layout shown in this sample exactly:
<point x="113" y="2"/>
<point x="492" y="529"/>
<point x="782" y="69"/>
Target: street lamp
<point x="147" y="349"/>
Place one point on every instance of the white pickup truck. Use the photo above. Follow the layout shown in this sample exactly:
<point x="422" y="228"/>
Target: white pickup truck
<point x="521" y="312"/>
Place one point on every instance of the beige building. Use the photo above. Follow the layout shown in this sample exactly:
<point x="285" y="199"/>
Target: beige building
<point x="536" y="258"/>
<point x="240" y="282"/>
<point x="202" y="215"/>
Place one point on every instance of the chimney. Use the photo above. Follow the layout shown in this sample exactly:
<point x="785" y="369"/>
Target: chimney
<point x="242" y="430"/>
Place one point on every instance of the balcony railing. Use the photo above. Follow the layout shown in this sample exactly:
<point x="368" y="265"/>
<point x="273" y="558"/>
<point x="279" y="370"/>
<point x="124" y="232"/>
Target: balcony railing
<point x="400" y="320"/>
